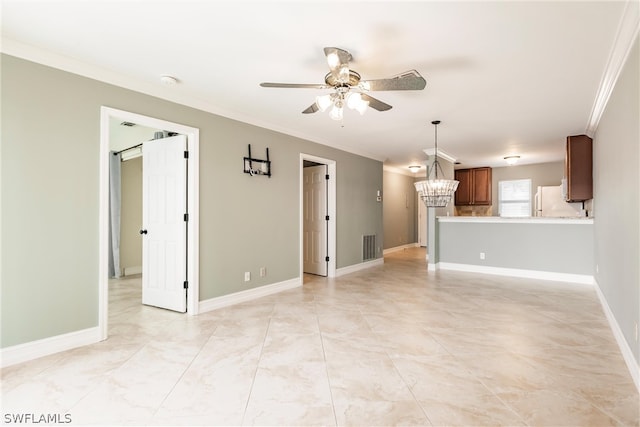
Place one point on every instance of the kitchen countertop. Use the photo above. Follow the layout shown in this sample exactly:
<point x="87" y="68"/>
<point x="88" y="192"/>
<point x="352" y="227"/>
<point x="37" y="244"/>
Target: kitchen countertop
<point x="507" y="220"/>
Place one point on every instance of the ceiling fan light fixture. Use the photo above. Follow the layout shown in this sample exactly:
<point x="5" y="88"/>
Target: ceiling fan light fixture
<point x="343" y="74"/>
<point x="345" y="82"/>
<point x="336" y="112"/>
<point x="353" y="100"/>
<point x="323" y="102"/>
<point x="333" y="59"/>
<point x="362" y="107"/>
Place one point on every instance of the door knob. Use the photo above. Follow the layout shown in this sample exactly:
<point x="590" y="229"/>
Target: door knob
<point x="143" y="231"/>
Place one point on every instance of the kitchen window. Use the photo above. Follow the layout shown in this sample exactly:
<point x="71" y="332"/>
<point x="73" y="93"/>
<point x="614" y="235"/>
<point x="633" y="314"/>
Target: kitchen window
<point x="514" y="198"/>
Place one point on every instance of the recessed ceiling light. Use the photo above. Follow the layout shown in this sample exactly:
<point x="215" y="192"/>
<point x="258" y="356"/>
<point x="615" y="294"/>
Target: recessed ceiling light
<point x="168" y="80"/>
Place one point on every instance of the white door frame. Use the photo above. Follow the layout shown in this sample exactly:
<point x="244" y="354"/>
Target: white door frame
<point x="193" y="142"/>
<point x="331" y="211"/>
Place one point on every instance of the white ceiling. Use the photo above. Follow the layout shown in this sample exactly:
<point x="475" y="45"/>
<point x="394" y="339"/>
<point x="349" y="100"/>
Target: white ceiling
<point x="504" y="77"/>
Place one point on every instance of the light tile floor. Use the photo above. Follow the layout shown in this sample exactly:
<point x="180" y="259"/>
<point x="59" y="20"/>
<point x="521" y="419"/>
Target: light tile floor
<point x="390" y="345"/>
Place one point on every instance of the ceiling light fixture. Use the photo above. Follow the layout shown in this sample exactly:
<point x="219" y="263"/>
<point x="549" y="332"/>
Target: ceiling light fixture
<point x="414" y="168"/>
<point x="337" y="101"/>
<point x="512" y="160"/>
<point x="436" y="193"/>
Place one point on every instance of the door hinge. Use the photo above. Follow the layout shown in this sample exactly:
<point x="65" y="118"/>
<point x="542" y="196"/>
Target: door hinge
<point x="326" y="176"/>
<point x="326" y="217"/>
<point x="186" y="154"/>
<point x="326" y="258"/>
<point x="186" y="217"/>
<point x="186" y="284"/>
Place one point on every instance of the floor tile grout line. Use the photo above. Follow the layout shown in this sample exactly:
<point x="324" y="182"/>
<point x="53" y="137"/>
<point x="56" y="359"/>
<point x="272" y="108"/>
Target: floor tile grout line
<point x="255" y="374"/>
<point x="326" y="366"/>
<point x="424" y="411"/>
<point x="204" y="343"/>
<point x="398" y="371"/>
<point x="106" y="376"/>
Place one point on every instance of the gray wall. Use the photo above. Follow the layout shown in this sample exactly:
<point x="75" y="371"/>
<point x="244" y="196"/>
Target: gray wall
<point x="558" y="248"/>
<point x="399" y="210"/>
<point x="616" y="196"/>
<point x="131" y="215"/>
<point x="50" y="210"/>
<point x="539" y="174"/>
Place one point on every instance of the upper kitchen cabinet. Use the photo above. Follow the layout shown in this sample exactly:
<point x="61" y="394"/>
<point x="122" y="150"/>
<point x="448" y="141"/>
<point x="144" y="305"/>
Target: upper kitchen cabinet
<point x="474" y="188"/>
<point x="578" y="169"/>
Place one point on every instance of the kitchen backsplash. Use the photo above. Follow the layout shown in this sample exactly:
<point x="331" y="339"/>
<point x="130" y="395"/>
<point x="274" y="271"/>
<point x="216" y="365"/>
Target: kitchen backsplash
<point x="473" y="210"/>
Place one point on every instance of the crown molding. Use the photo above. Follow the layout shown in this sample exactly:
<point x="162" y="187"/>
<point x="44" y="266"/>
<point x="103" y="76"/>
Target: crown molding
<point x="432" y="151"/>
<point x="625" y="38"/>
<point x="71" y="65"/>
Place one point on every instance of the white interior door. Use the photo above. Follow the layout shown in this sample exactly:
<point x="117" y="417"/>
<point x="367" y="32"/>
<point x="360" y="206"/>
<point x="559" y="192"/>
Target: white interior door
<point x="422" y="223"/>
<point x="315" y="221"/>
<point x="164" y="249"/>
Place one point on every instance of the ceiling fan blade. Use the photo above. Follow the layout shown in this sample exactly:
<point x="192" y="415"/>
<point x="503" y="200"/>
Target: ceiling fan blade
<point x="296" y="85"/>
<point x="409" y="80"/>
<point x="312" y="109"/>
<point x="338" y="60"/>
<point x="374" y="103"/>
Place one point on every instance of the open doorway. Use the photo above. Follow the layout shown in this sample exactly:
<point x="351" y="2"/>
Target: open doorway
<point x="422" y="223"/>
<point x="125" y="139"/>
<point x="187" y="140"/>
<point x="317" y="216"/>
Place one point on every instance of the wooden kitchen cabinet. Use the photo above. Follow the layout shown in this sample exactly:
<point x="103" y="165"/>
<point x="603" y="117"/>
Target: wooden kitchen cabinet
<point x="578" y="168"/>
<point x="474" y="188"/>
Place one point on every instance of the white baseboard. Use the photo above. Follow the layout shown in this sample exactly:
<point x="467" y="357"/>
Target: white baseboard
<point x="248" y="295"/>
<point x="129" y="271"/>
<point x="400" y="248"/>
<point x="516" y="272"/>
<point x="625" y="349"/>
<point x="357" y="267"/>
<point x="44" y="347"/>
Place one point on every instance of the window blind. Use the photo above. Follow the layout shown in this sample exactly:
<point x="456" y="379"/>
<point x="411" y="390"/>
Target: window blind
<point x="514" y="198"/>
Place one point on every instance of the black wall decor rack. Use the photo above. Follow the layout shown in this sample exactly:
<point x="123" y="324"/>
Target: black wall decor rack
<point x="257" y="166"/>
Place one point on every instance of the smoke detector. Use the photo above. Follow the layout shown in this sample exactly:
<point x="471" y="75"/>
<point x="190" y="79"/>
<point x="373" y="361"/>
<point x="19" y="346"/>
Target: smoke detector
<point x="168" y="80"/>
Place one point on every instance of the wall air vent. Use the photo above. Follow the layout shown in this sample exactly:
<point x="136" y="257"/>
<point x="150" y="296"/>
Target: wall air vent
<point x="368" y="247"/>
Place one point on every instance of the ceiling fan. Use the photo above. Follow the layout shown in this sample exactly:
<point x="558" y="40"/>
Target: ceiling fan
<point x="348" y="87"/>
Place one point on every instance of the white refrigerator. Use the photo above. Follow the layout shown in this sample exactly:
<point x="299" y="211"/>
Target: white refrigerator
<point x="549" y="202"/>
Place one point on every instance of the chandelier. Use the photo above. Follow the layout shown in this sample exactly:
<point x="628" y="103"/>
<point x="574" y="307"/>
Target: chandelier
<point x="337" y="100"/>
<point x="436" y="193"/>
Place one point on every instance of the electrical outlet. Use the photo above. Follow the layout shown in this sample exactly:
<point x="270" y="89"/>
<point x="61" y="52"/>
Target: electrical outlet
<point x="247" y="276"/>
<point x="481" y="255"/>
<point x="263" y="271"/>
